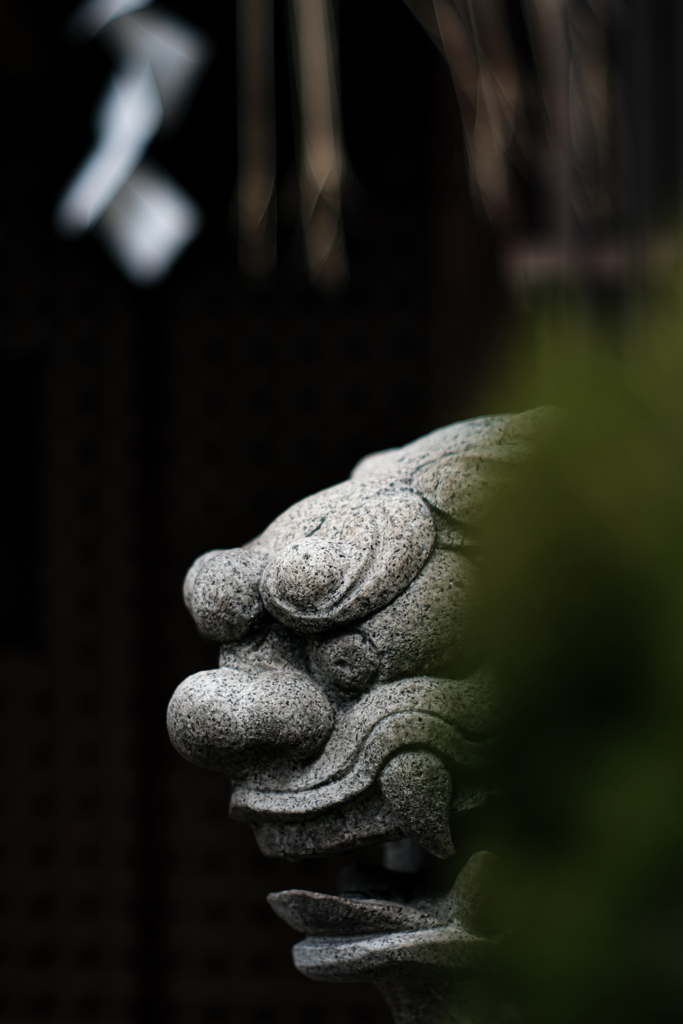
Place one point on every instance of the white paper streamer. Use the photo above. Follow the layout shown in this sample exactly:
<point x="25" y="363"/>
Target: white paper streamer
<point x="142" y="216"/>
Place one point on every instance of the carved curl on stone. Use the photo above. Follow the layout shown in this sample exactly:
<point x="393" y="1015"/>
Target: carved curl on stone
<point x="352" y="706"/>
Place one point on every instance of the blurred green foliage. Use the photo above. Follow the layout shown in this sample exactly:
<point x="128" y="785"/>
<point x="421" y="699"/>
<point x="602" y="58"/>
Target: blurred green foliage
<point x="584" y="600"/>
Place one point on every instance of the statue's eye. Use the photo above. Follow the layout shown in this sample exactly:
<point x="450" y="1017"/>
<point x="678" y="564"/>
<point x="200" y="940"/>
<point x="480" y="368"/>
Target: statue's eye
<point x="349" y="661"/>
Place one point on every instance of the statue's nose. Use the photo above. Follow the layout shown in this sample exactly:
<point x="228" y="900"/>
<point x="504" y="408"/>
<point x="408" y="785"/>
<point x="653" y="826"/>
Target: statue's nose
<point x="236" y="720"/>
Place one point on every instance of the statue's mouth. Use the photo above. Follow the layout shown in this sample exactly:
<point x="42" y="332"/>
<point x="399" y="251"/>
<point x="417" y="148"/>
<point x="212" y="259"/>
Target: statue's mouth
<point x="420" y="908"/>
<point x="372" y="898"/>
<point x="428" y="914"/>
<point x="436" y="731"/>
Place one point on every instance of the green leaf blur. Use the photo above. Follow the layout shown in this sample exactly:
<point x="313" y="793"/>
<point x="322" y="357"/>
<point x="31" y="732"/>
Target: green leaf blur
<point x="584" y="603"/>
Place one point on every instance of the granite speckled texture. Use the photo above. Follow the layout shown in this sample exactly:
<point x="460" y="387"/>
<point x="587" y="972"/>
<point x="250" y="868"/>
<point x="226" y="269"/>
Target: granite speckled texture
<point x="352" y="706"/>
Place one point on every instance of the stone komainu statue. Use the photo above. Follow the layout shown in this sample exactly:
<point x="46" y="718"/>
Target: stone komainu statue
<point x="352" y="706"/>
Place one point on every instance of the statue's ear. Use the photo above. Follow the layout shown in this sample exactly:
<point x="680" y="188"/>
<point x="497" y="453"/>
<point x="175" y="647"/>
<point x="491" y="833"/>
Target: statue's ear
<point x="462" y="482"/>
<point x="377" y="464"/>
<point x="523" y="431"/>
<point x="456" y="469"/>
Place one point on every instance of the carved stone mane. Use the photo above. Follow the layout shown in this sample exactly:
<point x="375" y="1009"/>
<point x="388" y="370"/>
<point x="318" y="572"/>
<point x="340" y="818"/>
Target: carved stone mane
<point x="352" y="706"/>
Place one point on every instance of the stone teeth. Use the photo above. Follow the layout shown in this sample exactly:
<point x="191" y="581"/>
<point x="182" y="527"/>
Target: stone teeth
<point x="417" y="786"/>
<point x="477" y="895"/>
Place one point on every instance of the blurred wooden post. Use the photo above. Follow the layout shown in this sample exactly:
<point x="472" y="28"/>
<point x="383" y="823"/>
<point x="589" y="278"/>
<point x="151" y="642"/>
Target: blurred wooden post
<point x="256" y="204"/>
<point x="322" y="161"/>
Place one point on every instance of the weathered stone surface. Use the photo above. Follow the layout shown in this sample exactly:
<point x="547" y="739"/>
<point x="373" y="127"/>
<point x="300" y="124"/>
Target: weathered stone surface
<point x="352" y="706"/>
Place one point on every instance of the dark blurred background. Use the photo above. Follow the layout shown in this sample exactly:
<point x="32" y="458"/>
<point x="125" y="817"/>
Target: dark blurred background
<point x="142" y="427"/>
